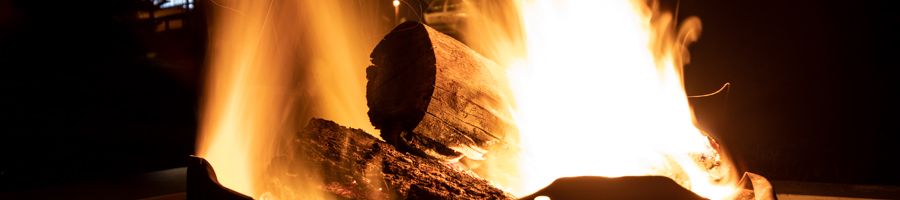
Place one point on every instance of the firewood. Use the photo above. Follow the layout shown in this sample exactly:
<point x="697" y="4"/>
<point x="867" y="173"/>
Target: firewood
<point x="355" y="165"/>
<point x="430" y="94"/>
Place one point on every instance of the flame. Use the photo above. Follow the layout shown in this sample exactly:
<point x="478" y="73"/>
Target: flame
<point x="598" y="90"/>
<point x="272" y="66"/>
<point x="596" y="85"/>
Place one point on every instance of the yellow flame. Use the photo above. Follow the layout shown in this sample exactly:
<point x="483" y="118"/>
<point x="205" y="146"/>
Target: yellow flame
<point x="272" y="66"/>
<point x="599" y="91"/>
<point x="597" y="86"/>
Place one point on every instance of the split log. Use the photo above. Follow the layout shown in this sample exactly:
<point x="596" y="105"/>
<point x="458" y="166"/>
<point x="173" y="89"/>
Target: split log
<point x="430" y="94"/>
<point x="355" y="165"/>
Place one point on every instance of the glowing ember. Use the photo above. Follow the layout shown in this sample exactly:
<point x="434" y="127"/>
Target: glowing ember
<point x="599" y="92"/>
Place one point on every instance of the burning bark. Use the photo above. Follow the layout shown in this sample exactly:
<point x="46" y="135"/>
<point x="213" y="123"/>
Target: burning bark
<point x="432" y="95"/>
<point x="355" y="165"/>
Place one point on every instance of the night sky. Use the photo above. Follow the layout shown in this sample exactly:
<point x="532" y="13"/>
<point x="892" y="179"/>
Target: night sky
<point x="812" y="96"/>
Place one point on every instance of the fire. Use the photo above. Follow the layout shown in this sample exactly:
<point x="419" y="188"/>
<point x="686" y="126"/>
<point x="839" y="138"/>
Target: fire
<point x="272" y="66"/>
<point x="596" y="85"/>
<point x="599" y="91"/>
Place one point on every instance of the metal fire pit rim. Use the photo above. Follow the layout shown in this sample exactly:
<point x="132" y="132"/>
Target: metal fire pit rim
<point x="202" y="182"/>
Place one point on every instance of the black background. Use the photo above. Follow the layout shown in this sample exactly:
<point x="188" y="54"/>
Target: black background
<point x="812" y="96"/>
<point x="81" y="98"/>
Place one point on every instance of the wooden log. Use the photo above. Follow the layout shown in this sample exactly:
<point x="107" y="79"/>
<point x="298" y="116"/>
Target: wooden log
<point x="430" y="94"/>
<point x="355" y="165"/>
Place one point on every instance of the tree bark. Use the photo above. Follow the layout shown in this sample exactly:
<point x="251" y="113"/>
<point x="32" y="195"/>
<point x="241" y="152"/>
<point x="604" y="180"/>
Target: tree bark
<point x="355" y="165"/>
<point x="430" y="94"/>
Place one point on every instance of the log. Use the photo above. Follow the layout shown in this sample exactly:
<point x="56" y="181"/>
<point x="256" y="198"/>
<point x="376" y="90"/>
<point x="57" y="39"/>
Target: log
<point x="430" y="94"/>
<point x="355" y="165"/>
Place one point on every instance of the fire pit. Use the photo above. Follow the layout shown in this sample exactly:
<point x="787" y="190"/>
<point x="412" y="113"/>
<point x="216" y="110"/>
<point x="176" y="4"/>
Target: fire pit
<point x="356" y="165"/>
<point x="588" y="110"/>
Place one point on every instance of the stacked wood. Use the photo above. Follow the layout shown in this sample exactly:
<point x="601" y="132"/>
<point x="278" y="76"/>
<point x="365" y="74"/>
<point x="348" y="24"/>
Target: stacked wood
<point x="355" y="165"/>
<point x="430" y="94"/>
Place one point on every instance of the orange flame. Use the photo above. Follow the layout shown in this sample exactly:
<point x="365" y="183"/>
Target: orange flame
<point x="273" y="65"/>
<point x="598" y="90"/>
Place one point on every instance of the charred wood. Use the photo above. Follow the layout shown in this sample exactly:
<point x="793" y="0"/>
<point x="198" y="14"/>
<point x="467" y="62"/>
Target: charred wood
<point x="355" y="165"/>
<point x="430" y="94"/>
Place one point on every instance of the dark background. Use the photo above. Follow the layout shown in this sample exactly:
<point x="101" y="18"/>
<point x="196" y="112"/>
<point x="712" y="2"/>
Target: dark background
<point x="88" y="91"/>
<point x="813" y="94"/>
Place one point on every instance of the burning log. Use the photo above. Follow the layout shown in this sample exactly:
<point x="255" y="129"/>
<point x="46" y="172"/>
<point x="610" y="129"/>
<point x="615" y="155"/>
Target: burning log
<point x="432" y="95"/>
<point x="356" y="165"/>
